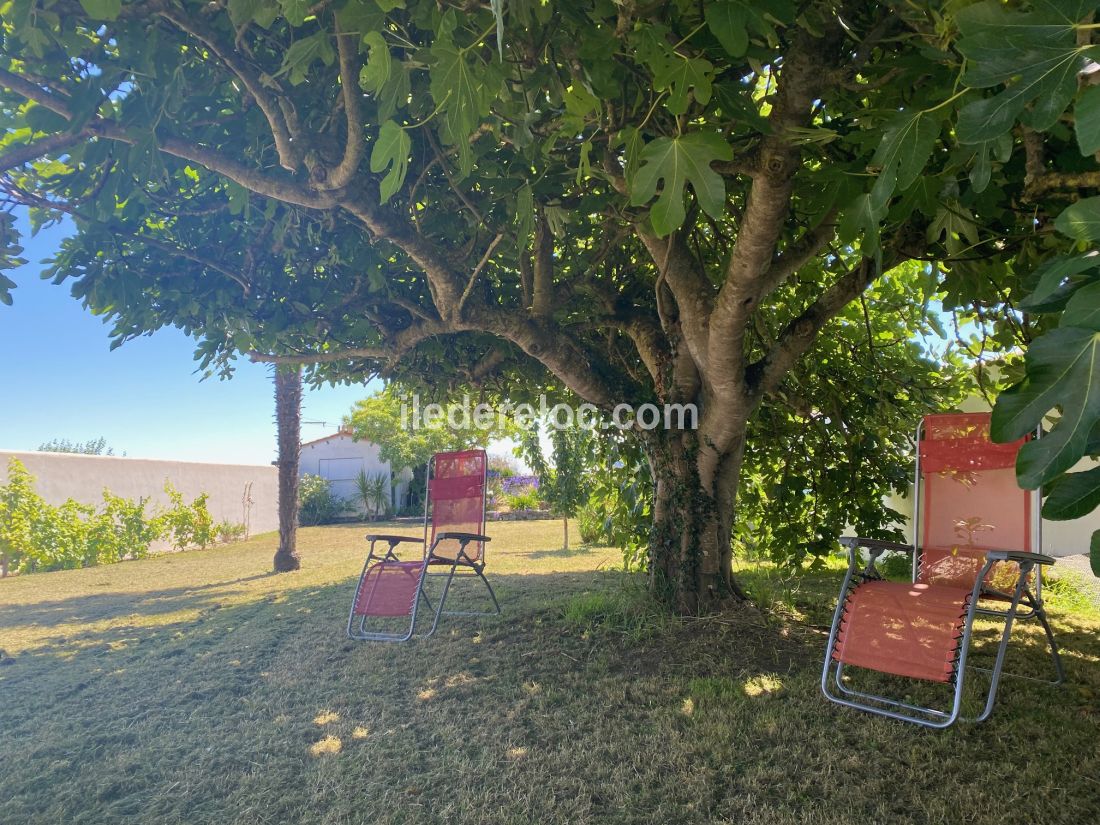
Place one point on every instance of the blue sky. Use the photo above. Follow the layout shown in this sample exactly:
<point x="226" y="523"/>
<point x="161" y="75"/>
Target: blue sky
<point x="62" y="381"/>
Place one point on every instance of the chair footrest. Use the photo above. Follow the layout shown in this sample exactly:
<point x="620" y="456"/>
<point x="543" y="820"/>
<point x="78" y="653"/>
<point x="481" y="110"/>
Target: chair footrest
<point x="388" y="588"/>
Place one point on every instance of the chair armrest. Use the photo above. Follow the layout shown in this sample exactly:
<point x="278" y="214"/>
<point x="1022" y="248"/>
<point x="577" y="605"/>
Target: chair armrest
<point x="875" y="545"/>
<point x="465" y="538"/>
<point x="875" y="548"/>
<point x="1018" y="556"/>
<point x="392" y="542"/>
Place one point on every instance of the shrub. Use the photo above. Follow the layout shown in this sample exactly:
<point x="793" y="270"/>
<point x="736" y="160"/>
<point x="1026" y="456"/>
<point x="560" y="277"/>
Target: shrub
<point x="525" y="498"/>
<point x="228" y="531"/>
<point x="593" y="525"/>
<point x="517" y="484"/>
<point x="37" y="536"/>
<point x="61" y="538"/>
<point x="122" y="530"/>
<point x="20" y="509"/>
<point x="317" y="504"/>
<point x="187" y="525"/>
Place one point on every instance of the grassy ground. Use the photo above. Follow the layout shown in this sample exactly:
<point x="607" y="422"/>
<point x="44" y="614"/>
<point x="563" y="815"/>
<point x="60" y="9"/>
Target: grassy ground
<point x="197" y="688"/>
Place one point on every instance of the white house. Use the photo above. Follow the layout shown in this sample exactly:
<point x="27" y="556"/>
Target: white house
<point x="339" y="458"/>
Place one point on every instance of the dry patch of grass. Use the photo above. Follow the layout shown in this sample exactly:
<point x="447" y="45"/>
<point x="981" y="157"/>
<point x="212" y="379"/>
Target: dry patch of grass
<point x="197" y="688"/>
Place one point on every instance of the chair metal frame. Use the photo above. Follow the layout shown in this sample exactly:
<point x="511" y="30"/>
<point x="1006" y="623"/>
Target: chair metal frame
<point x="462" y="561"/>
<point x="832" y="674"/>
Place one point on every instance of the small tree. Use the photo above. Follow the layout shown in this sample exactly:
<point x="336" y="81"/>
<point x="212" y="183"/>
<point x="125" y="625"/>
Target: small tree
<point x="563" y="484"/>
<point x="403" y="441"/>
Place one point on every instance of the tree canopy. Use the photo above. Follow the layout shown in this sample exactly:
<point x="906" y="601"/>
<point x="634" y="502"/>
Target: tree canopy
<point x="405" y="440"/>
<point x="668" y="202"/>
<point x="93" y="446"/>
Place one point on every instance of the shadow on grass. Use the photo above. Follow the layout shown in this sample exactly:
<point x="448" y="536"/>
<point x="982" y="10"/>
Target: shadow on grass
<point x="110" y="605"/>
<point x="575" y="551"/>
<point x="262" y="704"/>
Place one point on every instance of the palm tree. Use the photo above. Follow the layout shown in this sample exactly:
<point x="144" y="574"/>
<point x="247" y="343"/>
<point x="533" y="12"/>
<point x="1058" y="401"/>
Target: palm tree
<point x="288" y="423"/>
<point x="374" y="493"/>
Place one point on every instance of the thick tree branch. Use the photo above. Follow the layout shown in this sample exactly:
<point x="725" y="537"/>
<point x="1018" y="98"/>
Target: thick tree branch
<point x="689" y="285"/>
<point x="1049" y="182"/>
<point x="649" y="341"/>
<point x="802" y="75"/>
<point x="32" y="91"/>
<point x="341" y="176"/>
<point x="444" y="281"/>
<point x="249" y="178"/>
<point x="290" y="152"/>
<point x="542" y="297"/>
<point x="18" y="155"/>
<point x="488" y="364"/>
<point x="797" y="254"/>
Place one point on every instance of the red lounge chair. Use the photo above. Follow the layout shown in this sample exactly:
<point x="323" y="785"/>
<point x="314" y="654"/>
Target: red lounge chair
<point x="975" y="543"/>
<point x="392" y="589"/>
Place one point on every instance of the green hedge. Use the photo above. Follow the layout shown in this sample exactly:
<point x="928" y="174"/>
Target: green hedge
<point x="37" y="536"/>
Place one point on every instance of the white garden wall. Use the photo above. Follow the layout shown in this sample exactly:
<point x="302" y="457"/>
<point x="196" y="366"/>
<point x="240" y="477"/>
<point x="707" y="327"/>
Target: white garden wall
<point x="59" y="476"/>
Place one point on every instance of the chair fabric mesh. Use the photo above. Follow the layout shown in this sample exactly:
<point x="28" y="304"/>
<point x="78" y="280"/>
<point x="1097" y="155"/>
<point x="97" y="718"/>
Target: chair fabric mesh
<point x="970" y="502"/>
<point x="457" y="495"/>
<point x="905" y="629"/>
<point x="388" y="589"/>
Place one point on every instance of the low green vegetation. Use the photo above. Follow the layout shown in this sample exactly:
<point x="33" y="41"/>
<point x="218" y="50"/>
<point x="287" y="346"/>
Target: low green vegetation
<point x="374" y="493"/>
<point x="198" y="688"/>
<point x="37" y="536"/>
<point x="317" y="504"/>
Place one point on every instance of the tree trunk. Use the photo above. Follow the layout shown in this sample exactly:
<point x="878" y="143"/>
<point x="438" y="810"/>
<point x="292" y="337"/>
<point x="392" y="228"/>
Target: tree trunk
<point x="689" y="549"/>
<point x="288" y="422"/>
<point x="565" y="525"/>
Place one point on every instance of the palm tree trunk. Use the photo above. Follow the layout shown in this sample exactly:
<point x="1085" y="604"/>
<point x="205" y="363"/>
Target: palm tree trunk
<point x="288" y="423"/>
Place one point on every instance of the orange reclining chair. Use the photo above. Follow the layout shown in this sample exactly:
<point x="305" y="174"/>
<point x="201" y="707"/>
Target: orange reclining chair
<point x="976" y="537"/>
<point x="390" y="590"/>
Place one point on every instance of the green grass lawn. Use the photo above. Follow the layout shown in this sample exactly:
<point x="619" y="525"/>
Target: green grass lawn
<point x="199" y="688"/>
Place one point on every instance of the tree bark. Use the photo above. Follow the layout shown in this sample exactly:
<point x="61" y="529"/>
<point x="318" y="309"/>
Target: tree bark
<point x="690" y="544"/>
<point x="565" y="525"/>
<point x="288" y="421"/>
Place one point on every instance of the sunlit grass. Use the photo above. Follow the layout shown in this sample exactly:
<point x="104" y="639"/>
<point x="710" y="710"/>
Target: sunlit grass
<point x="199" y="688"/>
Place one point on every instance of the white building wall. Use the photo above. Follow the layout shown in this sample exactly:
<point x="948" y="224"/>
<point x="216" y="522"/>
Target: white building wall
<point x="60" y="476"/>
<point x="339" y="459"/>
